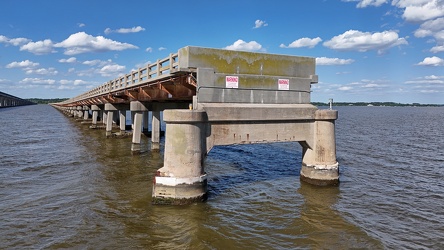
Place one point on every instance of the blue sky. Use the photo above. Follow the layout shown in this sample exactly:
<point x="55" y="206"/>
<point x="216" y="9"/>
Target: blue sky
<point x="366" y="50"/>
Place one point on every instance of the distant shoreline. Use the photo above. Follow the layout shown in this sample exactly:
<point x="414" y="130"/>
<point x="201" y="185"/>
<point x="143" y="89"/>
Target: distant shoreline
<point x="378" y="104"/>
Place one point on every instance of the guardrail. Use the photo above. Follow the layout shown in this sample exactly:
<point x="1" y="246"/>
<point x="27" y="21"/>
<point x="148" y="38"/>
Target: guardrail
<point x="160" y="69"/>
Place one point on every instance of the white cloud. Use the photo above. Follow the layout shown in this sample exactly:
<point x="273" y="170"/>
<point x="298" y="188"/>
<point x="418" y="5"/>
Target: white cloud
<point x="69" y="60"/>
<point x="431" y="80"/>
<point x="149" y="49"/>
<point x="420" y="10"/>
<point x="124" y="30"/>
<point x="354" y="40"/>
<point x="432" y="61"/>
<point x="81" y="25"/>
<point x="162" y="48"/>
<point x="37" y="81"/>
<point x="345" y="88"/>
<point x="259" y="23"/>
<point x="83" y="43"/>
<point x="366" y="3"/>
<point x="437" y="49"/>
<point x="333" y="61"/>
<point x="429" y="28"/>
<point x="40" y="47"/>
<point x="80" y="82"/>
<point x="14" y="41"/>
<point x="3" y="39"/>
<point x="64" y="82"/>
<point x="242" y="45"/>
<point x="42" y="71"/>
<point x="18" y="41"/>
<point x="97" y="62"/>
<point x="111" y="70"/>
<point x="303" y="42"/>
<point x="23" y="64"/>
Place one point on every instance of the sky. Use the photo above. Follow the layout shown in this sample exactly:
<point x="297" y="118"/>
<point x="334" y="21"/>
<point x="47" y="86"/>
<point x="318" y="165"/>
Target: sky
<point x="365" y="50"/>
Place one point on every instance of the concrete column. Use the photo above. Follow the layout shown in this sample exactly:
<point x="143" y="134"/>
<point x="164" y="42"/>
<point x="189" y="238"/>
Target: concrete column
<point x="95" y="113"/>
<point x="182" y="179"/>
<point x="79" y="111"/>
<point x="104" y="116"/>
<point x="319" y="164"/>
<point x="85" y="112"/>
<point x="110" y="109"/>
<point x="137" y="108"/>
<point x="109" y="121"/>
<point x="155" y="130"/>
<point x="122" y="119"/>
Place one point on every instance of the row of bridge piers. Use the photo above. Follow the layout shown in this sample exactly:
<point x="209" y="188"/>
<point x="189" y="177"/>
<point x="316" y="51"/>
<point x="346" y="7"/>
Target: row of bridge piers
<point x="112" y="117"/>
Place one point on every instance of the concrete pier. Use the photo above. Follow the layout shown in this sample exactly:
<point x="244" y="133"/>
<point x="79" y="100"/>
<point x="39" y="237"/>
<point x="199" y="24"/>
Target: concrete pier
<point x="319" y="165"/>
<point x="95" y="115"/>
<point x="137" y="109"/>
<point x="213" y="97"/>
<point x="182" y="178"/>
<point x="155" y="130"/>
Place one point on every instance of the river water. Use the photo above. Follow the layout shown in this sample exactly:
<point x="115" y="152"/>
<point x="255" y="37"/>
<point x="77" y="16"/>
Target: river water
<point x="64" y="186"/>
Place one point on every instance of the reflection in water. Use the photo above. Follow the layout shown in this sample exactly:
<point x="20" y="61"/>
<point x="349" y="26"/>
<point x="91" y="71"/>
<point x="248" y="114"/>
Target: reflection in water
<point x="328" y="228"/>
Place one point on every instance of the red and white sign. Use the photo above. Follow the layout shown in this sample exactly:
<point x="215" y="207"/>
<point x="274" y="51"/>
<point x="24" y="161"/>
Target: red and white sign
<point x="284" y="84"/>
<point x="232" y="82"/>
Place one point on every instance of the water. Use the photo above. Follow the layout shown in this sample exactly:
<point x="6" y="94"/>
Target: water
<point x="64" y="186"/>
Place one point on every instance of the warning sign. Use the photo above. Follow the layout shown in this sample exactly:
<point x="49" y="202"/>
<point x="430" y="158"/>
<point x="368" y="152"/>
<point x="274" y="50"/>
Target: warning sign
<point x="284" y="84"/>
<point x="232" y="82"/>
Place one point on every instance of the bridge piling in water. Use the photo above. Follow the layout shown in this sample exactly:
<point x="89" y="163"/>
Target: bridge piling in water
<point x="237" y="98"/>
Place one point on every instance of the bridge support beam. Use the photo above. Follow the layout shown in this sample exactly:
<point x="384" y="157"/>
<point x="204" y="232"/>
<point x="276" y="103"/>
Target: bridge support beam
<point x="182" y="179"/>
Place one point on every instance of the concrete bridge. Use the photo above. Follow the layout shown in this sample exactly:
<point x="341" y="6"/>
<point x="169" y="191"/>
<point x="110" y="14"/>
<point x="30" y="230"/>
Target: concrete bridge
<point x="215" y="97"/>
<point x="7" y="100"/>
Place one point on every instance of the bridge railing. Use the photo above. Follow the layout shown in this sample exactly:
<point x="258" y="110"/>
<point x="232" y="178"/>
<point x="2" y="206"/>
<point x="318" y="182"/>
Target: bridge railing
<point x="151" y="72"/>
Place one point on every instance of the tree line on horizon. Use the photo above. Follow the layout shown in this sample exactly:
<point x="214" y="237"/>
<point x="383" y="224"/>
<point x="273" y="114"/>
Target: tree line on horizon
<point x="380" y="104"/>
<point x="46" y="101"/>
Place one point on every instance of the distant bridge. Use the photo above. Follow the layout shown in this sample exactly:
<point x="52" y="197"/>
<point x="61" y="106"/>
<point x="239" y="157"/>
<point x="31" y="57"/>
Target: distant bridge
<point x="215" y="97"/>
<point x="7" y="100"/>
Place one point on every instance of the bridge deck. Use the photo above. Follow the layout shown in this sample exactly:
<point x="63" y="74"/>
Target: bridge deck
<point x="174" y="79"/>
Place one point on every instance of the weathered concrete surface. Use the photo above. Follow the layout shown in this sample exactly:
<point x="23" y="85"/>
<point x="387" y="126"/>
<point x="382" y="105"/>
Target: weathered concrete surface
<point x="182" y="177"/>
<point x="191" y="134"/>
<point x="319" y="165"/>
